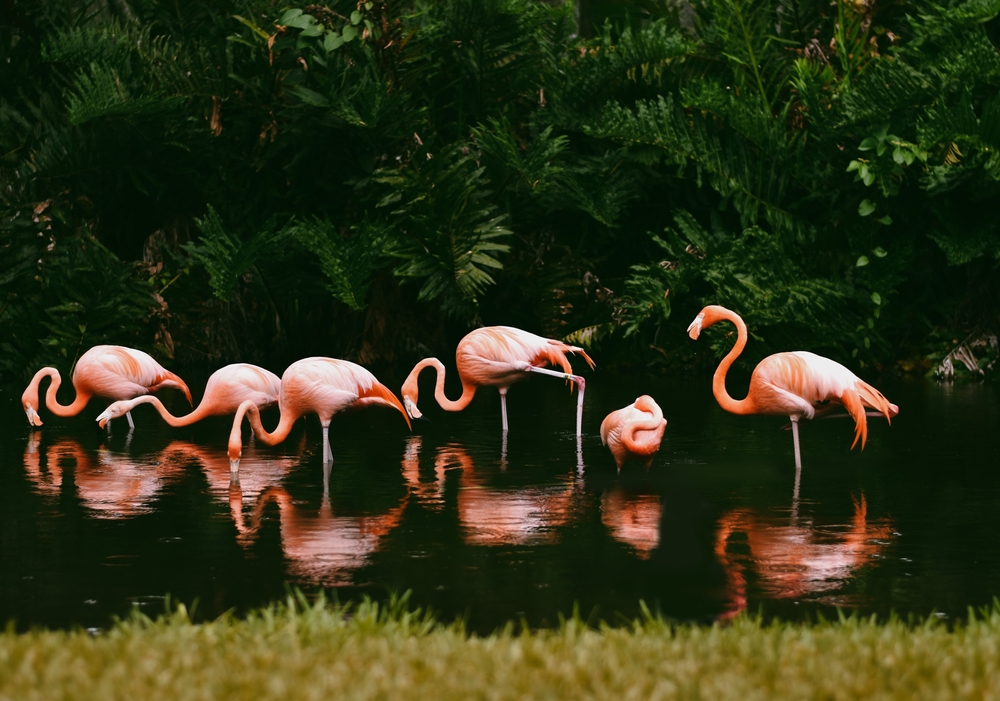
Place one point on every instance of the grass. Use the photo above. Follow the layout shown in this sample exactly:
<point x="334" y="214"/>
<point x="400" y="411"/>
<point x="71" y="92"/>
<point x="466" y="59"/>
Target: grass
<point x="300" y="651"/>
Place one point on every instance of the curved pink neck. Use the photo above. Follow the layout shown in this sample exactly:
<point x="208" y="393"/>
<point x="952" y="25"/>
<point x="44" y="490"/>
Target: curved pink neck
<point x="468" y="390"/>
<point x="53" y="405"/>
<point x="733" y="406"/>
<point x="197" y="415"/>
<point x="649" y="442"/>
<point x="252" y="412"/>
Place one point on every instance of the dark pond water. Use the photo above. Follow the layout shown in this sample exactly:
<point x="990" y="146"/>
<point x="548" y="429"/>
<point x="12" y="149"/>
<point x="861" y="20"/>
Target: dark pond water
<point x="92" y="526"/>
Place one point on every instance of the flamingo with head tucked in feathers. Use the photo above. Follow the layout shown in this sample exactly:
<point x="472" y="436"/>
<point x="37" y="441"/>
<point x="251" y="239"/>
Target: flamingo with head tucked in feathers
<point x="497" y="356"/>
<point x="226" y="389"/>
<point x="322" y="386"/>
<point x="797" y="384"/>
<point x="634" y="432"/>
<point x="111" y="372"/>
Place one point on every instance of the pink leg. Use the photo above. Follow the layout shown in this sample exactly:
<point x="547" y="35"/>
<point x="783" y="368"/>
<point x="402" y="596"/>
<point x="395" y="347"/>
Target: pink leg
<point x="503" y="407"/>
<point x="795" y="441"/>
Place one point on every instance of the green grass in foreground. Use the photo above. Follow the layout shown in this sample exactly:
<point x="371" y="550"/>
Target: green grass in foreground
<point x="297" y="651"/>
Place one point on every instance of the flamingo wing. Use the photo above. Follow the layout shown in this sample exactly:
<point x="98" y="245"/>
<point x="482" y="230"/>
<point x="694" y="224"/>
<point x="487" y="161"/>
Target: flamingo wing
<point x="117" y="372"/>
<point x="494" y="353"/>
<point x="801" y="382"/>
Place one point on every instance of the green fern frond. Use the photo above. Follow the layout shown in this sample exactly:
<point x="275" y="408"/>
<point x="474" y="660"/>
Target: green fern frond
<point x="225" y="256"/>
<point x="449" y="233"/>
<point x="348" y="261"/>
<point x="99" y="92"/>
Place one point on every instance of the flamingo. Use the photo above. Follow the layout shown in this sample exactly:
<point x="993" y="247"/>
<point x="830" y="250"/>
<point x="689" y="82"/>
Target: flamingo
<point x="797" y="384"/>
<point x="324" y="386"/>
<point x="497" y="356"/>
<point x="226" y="389"/>
<point x="112" y="372"/>
<point x="634" y="432"/>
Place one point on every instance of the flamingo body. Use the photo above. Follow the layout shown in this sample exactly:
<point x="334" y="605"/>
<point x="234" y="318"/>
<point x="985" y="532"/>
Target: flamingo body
<point x="496" y="356"/>
<point x="225" y="390"/>
<point x="111" y="372"/>
<point x="321" y="386"/>
<point x="634" y="432"/>
<point x="798" y="384"/>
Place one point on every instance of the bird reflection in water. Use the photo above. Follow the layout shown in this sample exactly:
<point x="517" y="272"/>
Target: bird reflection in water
<point x="493" y="515"/>
<point x="321" y="547"/>
<point x="633" y="518"/>
<point x="258" y="471"/>
<point x="112" y="485"/>
<point x="796" y="558"/>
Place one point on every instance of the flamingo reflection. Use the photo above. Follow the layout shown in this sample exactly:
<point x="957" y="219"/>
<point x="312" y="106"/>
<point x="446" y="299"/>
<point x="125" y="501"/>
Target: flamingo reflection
<point x="321" y="547"/>
<point x="112" y="485"/>
<point x="258" y="471"/>
<point x="797" y="558"/>
<point x="493" y="515"/>
<point x="633" y="518"/>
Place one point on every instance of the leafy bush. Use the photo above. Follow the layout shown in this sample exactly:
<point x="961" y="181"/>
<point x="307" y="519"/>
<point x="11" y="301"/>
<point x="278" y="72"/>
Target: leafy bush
<point x="248" y="180"/>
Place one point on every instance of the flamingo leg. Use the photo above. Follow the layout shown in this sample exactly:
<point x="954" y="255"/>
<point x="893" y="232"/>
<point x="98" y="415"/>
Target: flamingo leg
<point x="580" y="383"/>
<point x="579" y="456"/>
<point x="503" y="407"/>
<point x="795" y="441"/>
<point x="131" y="424"/>
<point x="327" y="453"/>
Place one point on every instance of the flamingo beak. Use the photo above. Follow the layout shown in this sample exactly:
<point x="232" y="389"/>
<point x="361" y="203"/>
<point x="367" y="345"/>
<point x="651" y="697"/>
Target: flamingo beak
<point x="33" y="418"/>
<point x="104" y="417"/>
<point x="695" y="328"/>
<point x="411" y="408"/>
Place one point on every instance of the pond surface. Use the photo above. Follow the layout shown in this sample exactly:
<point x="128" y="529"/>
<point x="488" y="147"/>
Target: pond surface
<point x="92" y="526"/>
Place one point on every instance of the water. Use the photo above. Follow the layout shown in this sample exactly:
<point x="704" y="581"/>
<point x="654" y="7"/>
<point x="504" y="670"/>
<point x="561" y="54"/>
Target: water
<point x="92" y="527"/>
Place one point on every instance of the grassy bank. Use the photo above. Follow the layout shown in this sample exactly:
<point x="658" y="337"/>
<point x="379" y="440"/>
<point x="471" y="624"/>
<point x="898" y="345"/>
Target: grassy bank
<point x="296" y="652"/>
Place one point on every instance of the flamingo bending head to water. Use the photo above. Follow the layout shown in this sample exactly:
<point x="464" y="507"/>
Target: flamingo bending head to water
<point x="111" y="372"/>
<point x="226" y="389"/>
<point x="797" y="384"/>
<point x="322" y="386"/>
<point x="497" y="356"/>
<point x="634" y="432"/>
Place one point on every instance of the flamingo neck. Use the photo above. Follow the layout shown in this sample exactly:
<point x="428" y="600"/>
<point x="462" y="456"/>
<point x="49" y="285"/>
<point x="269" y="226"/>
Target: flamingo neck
<point x="653" y="423"/>
<point x="176" y="421"/>
<point x="733" y="406"/>
<point x="252" y="412"/>
<point x="53" y="405"/>
<point x="468" y="390"/>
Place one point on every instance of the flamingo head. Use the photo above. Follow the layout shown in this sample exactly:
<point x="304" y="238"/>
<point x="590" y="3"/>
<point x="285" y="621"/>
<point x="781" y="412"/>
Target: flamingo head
<point x="409" y="391"/>
<point x="695" y="327"/>
<point x="235" y="453"/>
<point x="33" y="418"/>
<point x="115" y="410"/>
<point x="708" y="316"/>
<point x="411" y="408"/>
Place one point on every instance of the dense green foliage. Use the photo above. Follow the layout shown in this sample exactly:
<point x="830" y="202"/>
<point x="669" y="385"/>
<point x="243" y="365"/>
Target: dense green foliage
<point x="253" y="180"/>
<point x="318" y="651"/>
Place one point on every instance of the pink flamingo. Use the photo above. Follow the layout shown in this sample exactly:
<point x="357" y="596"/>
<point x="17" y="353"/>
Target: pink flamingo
<point x="797" y="384"/>
<point x="497" y="356"/>
<point x="635" y="432"/>
<point x="226" y="389"/>
<point x="323" y="386"/>
<point x="112" y="372"/>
